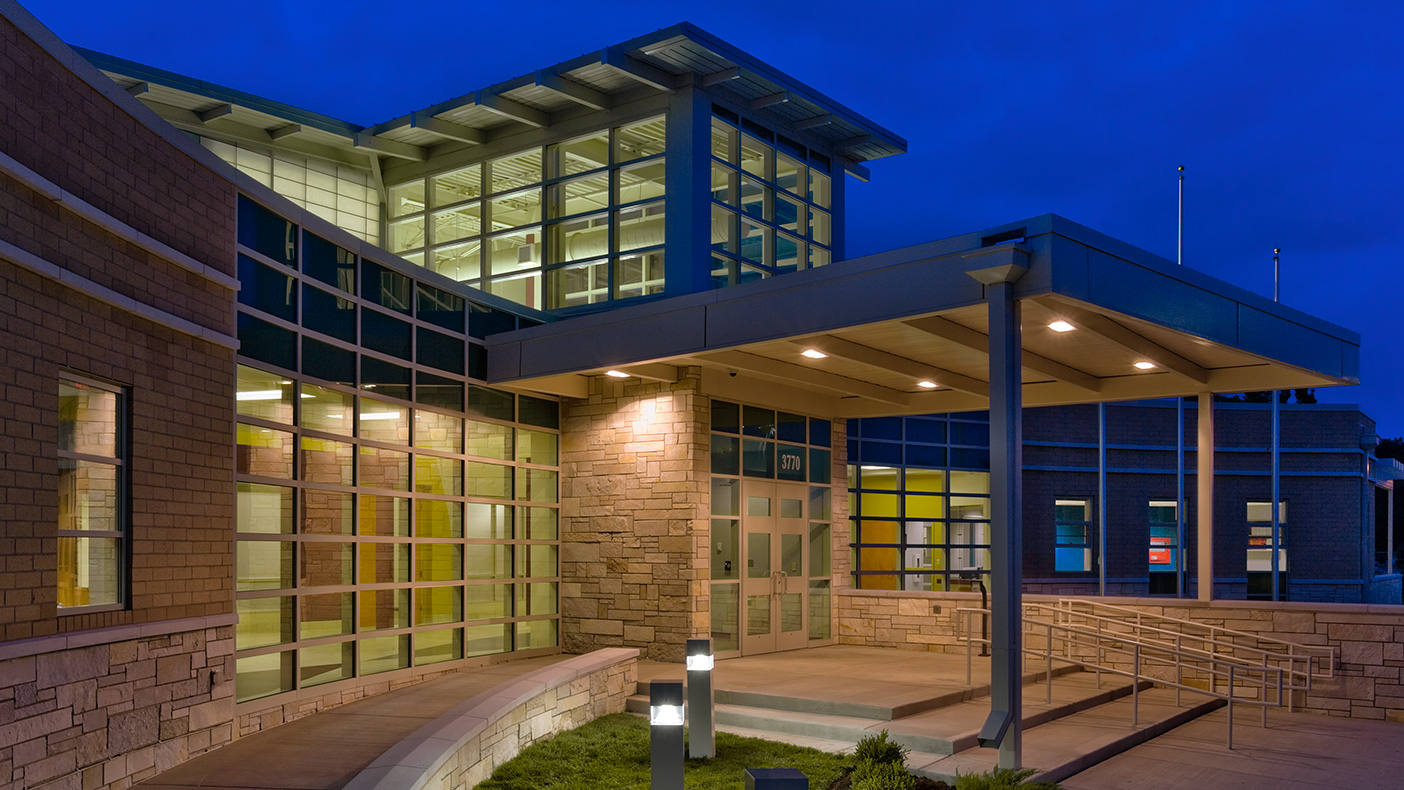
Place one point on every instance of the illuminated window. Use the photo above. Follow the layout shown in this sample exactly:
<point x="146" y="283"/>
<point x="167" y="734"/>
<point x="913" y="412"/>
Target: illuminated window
<point x="1164" y="536"/>
<point x="1073" y="524"/>
<point x="92" y="517"/>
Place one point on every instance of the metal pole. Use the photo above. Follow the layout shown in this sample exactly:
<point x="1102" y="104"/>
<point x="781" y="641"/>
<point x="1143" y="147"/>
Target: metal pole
<point x="1276" y="460"/>
<point x="1102" y="499"/>
<point x="1006" y="595"/>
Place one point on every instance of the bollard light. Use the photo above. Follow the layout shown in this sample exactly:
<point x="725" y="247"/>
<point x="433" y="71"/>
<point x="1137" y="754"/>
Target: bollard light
<point x="665" y="718"/>
<point x="701" y="700"/>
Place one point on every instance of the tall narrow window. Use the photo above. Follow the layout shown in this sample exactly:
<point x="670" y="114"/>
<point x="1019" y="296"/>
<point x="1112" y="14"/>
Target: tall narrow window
<point x="1260" y="546"/>
<point x="91" y="495"/>
<point x="1073" y="520"/>
<point x="1164" y="536"/>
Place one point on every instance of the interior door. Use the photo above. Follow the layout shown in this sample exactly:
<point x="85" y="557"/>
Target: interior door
<point x="774" y="589"/>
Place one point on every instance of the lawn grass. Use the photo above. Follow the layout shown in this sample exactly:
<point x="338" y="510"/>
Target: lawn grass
<point x="611" y="753"/>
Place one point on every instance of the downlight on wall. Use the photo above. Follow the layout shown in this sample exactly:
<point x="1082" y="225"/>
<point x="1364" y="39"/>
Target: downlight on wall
<point x="1061" y="326"/>
<point x="616" y="374"/>
<point x="813" y="353"/>
<point x="927" y="384"/>
<point x="1145" y="365"/>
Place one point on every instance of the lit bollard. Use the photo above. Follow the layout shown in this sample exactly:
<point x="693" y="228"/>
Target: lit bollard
<point x="776" y="779"/>
<point x="665" y="739"/>
<point x="701" y="700"/>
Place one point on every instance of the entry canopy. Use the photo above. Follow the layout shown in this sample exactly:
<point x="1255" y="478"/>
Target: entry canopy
<point x="1102" y="321"/>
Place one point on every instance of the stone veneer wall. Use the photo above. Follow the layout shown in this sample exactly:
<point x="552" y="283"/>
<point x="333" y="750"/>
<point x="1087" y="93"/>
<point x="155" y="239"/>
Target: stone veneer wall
<point x="634" y="505"/>
<point x="107" y="714"/>
<point x="1369" y="638"/>
<point x="464" y="746"/>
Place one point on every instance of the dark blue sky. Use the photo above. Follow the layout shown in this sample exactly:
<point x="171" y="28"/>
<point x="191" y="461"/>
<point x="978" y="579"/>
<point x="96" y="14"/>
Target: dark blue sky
<point x="1287" y="115"/>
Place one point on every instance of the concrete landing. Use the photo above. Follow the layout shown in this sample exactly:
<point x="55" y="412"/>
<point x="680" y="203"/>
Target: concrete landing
<point x="1298" y="751"/>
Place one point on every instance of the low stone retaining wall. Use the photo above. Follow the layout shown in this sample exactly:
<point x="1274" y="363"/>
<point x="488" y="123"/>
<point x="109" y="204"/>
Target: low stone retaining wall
<point x="1369" y="638"/>
<point x="462" y="748"/>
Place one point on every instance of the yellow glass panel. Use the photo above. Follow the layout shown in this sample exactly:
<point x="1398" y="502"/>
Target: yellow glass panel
<point x="925" y="507"/>
<point x="436" y="518"/>
<point x="931" y="481"/>
<point x="880" y="531"/>
<point x="870" y="505"/>
<point x="438" y="562"/>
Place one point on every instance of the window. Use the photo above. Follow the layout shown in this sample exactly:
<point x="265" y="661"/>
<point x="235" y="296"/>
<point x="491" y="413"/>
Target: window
<point x="92" y="495"/>
<point x="1260" y="536"/>
<point x="1164" y="536"/>
<point x="1073" y="523"/>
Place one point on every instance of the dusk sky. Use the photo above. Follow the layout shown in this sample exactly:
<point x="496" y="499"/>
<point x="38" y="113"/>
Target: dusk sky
<point x="1287" y="115"/>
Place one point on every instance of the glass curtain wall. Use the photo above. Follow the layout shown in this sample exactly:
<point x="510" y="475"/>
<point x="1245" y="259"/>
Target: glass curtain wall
<point x="754" y="442"/>
<point x="771" y="203"/>
<point x="919" y="529"/>
<point x="391" y="513"/>
<point x="572" y="223"/>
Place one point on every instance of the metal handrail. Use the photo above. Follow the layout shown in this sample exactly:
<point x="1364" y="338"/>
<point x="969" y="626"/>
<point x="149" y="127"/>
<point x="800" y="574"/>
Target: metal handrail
<point x="1329" y="655"/>
<point x="1207" y="645"/>
<point x="1144" y="657"/>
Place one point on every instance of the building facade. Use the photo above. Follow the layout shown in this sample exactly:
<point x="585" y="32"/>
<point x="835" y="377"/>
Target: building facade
<point x="298" y="411"/>
<point x="921" y="510"/>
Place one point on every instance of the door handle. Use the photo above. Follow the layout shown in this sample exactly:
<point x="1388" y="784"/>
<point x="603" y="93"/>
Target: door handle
<point x="784" y="582"/>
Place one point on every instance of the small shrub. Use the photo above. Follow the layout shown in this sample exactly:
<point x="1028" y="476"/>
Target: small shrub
<point x="1003" y="779"/>
<point x="879" y="749"/>
<point x="882" y="776"/>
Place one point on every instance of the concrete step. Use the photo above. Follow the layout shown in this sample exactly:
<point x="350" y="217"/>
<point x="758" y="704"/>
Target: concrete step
<point x="942" y="731"/>
<point x="830" y="702"/>
<point x="1066" y="745"/>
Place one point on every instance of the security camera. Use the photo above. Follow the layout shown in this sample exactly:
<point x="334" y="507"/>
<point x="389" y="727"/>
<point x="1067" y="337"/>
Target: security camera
<point x="731" y="372"/>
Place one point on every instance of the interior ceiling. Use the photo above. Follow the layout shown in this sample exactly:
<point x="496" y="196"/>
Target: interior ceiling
<point x="874" y="369"/>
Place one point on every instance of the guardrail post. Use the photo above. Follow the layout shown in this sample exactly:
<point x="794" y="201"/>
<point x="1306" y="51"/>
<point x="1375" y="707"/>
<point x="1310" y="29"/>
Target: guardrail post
<point x="1048" y="650"/>
<point x="1179" y="670"/>
<point x="1263" y="693"/>
<point x="1136" y="687"/>
<point x="1230" y="706"/>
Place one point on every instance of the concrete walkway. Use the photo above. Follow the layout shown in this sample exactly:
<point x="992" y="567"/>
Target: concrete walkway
<point x="1298" y="751"/>
<point x="324" y="751"/>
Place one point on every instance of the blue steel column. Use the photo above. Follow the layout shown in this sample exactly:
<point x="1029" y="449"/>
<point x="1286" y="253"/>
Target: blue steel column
<point x="688" y="225"/>
<point x="1004" y="727"/>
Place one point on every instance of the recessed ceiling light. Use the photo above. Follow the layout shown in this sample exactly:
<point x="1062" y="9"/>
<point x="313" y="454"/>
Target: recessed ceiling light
<point x="1061" y="326"/>
<point x="1144" y="365"/>
<point x="618" y="374"/>
<point x="813" y="353"/>
<point x="926" y="384"/>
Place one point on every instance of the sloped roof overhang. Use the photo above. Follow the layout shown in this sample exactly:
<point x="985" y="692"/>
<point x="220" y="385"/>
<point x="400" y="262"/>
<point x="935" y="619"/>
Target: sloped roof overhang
<point x="888" y="321"/>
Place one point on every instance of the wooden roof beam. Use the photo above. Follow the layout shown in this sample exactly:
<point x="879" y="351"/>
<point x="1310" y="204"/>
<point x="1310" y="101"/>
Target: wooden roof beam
<point x="857" y="352"/>
<point x="977" y="341"/>
<point x="1127" y="339"/>
<point x="791" y="373"/>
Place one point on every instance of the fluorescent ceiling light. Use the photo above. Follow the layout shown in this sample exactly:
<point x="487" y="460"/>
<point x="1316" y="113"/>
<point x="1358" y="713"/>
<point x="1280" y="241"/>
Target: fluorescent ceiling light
<point x="813" y="353"/>
<point x="927" y="384"/>
<point x="1144" y="365"/>
<point x="618" y="374"/>
<point x="380" y="415"/>
<point x="259" y="395"/>
<point x="1061" y="326"/>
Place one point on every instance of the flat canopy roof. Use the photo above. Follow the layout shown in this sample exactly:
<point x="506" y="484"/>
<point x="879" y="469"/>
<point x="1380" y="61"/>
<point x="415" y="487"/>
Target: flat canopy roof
<point x="659" y="62"/>
<point x="891" y="320"/>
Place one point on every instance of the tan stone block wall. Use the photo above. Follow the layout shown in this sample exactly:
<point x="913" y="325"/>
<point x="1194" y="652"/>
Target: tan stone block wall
<point x="1369" y="638"/>
<point x="109" y="715"/>
<point x="634" y="505"/>
<point x="555" y="710"/>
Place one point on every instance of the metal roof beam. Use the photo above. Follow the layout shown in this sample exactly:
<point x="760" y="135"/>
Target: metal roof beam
<point x="972" y="339"/>
<point x="574" y="91"/>
<point x="367" y="142"/>
<point x="285" y="131"/>
<point x="852" y="142"/>
<point x="515" y="110"/>
<point x="770" y="101"/>
<point x="1127" y="339"/>
<point x="651" y="76"/>
<point x="139" y="89"/>
<point x="448" y="129"/>
<point x="718" y="77"/>
<point x="215" y="113"/>
<point x="789" y="372"/>
<point x="856" y="170"/>
<point x="815" y="122"/>
<point x="883" y="360"/>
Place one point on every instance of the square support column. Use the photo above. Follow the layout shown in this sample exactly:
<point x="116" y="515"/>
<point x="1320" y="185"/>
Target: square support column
<point x="999" y="268"/>
<point x="1204" y="460"/>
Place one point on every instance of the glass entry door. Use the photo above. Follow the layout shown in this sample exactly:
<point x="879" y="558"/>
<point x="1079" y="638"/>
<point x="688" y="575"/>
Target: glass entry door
<point x="774" y="584"/>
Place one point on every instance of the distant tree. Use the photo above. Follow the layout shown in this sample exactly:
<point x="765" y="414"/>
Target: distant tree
<point x="1257" y="397"/>
<point x="1307" y="395"/>
<point x="1391" y="448"/>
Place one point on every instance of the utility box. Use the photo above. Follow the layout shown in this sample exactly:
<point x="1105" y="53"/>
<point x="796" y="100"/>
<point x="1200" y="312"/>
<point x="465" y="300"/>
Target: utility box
<point x="776" y="779"/>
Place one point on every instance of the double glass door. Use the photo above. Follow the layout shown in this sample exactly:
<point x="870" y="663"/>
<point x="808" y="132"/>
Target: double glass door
<point x="774" y="562"/>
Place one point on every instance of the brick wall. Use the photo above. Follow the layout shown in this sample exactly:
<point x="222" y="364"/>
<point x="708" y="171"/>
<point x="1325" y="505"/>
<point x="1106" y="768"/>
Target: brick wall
<point x="109" y="715"/>
<point x="634" y="504"/>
